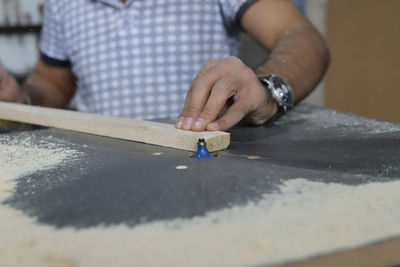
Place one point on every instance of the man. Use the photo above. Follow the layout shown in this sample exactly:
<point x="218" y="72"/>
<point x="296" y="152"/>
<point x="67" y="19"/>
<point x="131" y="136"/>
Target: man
<point x="138" y="58"/>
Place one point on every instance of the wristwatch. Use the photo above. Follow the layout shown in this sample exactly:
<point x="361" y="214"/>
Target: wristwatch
<point x="281" y="92"/>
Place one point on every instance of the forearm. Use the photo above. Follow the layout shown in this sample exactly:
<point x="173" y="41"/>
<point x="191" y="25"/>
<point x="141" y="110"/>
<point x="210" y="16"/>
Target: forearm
<point x="48" y="88"/>
<point x="35" y="87"/>
<point x="301" y="57"/>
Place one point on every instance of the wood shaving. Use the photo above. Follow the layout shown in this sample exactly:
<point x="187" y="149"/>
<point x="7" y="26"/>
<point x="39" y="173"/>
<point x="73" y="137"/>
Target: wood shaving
<point x="304" y="218"/>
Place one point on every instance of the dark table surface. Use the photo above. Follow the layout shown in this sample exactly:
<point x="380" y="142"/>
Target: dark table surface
<point x="118" y="181"/>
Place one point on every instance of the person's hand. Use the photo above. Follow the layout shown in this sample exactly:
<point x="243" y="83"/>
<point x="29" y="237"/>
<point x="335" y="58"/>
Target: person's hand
<point x="223" y="93"/>
<point x="10" y="90"/>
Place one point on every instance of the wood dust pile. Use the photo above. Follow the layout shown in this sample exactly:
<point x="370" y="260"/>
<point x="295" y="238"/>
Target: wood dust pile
<point x="304" y="218"/>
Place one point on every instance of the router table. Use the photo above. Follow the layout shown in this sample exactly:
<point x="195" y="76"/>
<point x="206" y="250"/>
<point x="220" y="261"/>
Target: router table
<point x="118" y="182"/>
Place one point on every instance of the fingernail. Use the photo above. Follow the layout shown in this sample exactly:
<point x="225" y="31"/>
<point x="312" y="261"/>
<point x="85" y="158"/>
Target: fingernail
<point x="198" y="124"/>
<point x="179" y="122"/>
<point x="213" y="126"/>
<point x="187" y="123"/>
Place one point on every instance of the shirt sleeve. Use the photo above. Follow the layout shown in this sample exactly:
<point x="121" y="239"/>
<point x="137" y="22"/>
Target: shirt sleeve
<point x="52" y="43"/>
<point x="233" y="11"/>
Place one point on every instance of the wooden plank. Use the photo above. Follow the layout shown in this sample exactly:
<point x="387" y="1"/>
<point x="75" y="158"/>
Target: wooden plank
<point x="155" y="133"/>
<point x="384" y="253"/>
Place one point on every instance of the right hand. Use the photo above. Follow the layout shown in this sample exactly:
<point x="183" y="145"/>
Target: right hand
<point x="10" y="90"/>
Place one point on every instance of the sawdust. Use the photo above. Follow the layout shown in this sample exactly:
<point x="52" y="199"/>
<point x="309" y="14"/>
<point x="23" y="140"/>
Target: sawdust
<point x="181" y="167"/>
<point x="302" y="219"/>
<point x="253" y="157"/>
<point x="326" y="119"/>
<point x="22" y="154"/>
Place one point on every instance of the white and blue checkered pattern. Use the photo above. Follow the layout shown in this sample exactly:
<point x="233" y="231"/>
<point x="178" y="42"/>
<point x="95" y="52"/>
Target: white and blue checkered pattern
<point x="137" y="59"/>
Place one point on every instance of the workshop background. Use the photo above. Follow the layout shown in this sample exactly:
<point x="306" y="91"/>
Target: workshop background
<point x="363" y="35"/>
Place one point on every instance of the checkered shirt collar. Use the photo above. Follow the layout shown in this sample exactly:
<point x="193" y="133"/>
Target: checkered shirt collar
<point x="115" y="3"/>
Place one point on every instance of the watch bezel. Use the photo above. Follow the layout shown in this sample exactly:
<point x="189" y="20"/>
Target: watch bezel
<point x="281" y="91"/>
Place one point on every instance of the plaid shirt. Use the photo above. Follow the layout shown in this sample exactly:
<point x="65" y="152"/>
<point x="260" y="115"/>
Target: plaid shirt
<point x="138" y="59"/>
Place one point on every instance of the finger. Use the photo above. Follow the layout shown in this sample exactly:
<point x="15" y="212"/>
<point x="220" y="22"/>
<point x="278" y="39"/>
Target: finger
<point x="224" y="109"/>
<point x="233" y="115"/>
<point x="202" y="85"/>
<point x="10" y="91"/>
<point x="221" y="92"/>
<point x="200" y="91"/>
<point x="5" y="90"/>
<point x="209" y="64"/>
<point x="181" y="118"/>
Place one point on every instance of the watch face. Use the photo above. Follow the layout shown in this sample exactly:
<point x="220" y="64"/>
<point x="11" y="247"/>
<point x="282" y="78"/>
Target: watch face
<point x="277" y="82"/>
<point x="282" y="91"/>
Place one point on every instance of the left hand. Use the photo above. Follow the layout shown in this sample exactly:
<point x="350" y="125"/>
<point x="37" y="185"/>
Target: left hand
<point x="222" y="94"/>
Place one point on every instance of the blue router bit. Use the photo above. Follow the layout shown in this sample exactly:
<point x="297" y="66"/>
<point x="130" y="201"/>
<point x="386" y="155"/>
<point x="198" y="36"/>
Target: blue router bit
<point x="202" y="152"/>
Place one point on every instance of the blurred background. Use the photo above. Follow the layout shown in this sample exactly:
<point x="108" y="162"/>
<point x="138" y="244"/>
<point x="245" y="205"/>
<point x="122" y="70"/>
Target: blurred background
<point x="363" y="36"/>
